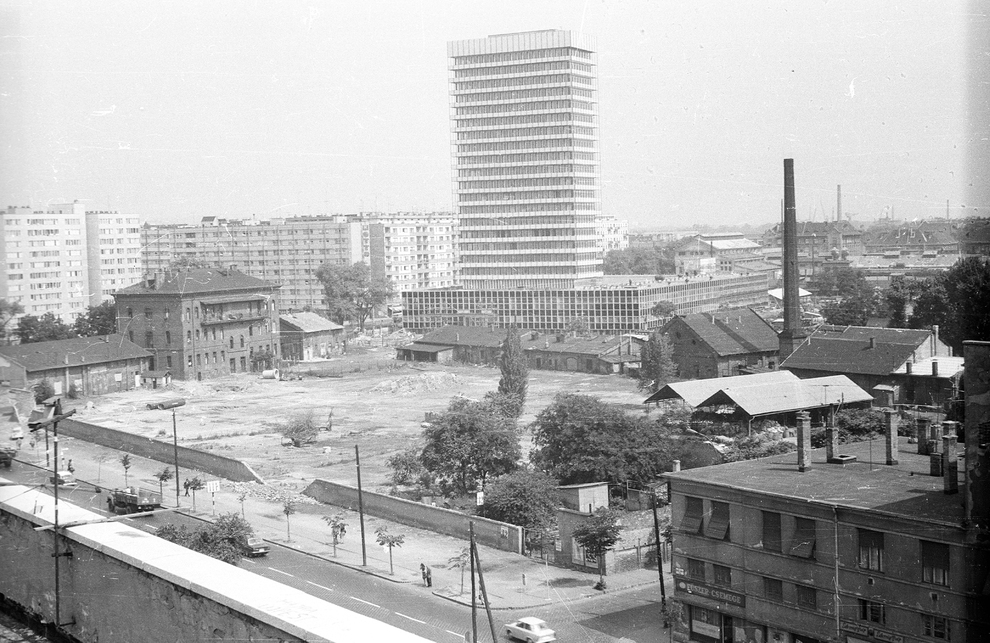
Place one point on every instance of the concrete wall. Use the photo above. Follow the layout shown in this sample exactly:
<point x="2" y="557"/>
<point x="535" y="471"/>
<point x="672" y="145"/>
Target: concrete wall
<point x="161" y="451"/>
<point x="121" y="584"/>
<point x="487" y="532"/>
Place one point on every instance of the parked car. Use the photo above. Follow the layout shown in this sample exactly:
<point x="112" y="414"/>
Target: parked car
<point x="531" y="630"/>
<point x="256" y="547"/>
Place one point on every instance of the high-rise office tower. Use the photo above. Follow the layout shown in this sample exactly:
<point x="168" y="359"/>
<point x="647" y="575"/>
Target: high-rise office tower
<point x="526" y="160"/>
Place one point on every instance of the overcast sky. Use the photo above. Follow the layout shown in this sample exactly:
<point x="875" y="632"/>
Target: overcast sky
<point x="176" y="110"/>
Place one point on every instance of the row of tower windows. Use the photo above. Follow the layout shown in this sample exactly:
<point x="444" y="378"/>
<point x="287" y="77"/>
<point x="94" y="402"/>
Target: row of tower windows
<point x="468" y="148"/>
<point x="556" y="65"/>
<point x="535" y="157"/>
<point x="557" y="117"/>
<point x="521" y="94"/>
<point x="534" y="106"/>
<point x="520" y="132"/>
<point x="521" y="81"/>
<point x="530" y="54"/>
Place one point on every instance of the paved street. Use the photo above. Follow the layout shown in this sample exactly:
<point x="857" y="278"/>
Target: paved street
<point x="564" y="598"/>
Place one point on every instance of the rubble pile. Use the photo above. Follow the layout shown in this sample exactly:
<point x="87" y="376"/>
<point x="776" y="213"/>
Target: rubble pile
<point x="270" y="492"/>
<point x="411" y="384"/>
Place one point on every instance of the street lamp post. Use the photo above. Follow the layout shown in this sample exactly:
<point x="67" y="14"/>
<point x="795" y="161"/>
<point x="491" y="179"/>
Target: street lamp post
<point x="172" y="404"/>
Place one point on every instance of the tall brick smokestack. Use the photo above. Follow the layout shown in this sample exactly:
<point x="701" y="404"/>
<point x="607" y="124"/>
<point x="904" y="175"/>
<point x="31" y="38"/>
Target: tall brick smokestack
<point x="792" y="335"/>
<point x="838" y="203"/>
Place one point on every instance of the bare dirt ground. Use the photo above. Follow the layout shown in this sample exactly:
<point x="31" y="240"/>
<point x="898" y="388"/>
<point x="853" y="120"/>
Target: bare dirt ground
<point x="378" y="404"/>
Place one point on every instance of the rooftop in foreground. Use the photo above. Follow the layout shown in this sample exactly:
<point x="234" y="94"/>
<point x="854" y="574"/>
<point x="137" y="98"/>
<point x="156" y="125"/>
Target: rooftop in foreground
<point x="906" y="490"/>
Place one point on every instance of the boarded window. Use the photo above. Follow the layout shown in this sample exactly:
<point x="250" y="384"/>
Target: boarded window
<point x="696" y="569"/>
<point x="807" y="596"/>
<point x="771" y="531"/>
<point x="803" y="542"/>
<point x="773" y="589"/>
<point x="693" y="510"/>
<point x="718" y="524"/>
<point x="722" y="575"/>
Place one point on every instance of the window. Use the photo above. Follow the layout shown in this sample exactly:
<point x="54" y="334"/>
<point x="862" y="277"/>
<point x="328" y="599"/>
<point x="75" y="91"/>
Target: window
<point x="936" y="627"/>
<point x="696" y="569"/>
<point x="803" y="543"/>
<point x="771" y="531"/>
<point x="723" y="575"/>
<point x="693" y="510"/>
<point x="188" y="336"/>
<point x="168" y="361"/>
<point x="130" y="336"/>
<point x="189" y="361"/>
<point x="718" y="524"/>
<point x="197" y="334"/>
<point x="871" y="550"/>
<point x="773" y="589"/>
<point x="130" y="312"/>
<point x="147" y="313"/>
<point x="166" y="313"/>
<point x="242" y="342"/>
<point x="935" y="563"/>
<point x="199" y="360"/>
<point x="149" y="339"/>
<point x="806" y="596"/>
<point x="871" y="611"/>
<point x="231" y="342"/>
<point x="251" y="330"/>
<point x="168" y="338"/>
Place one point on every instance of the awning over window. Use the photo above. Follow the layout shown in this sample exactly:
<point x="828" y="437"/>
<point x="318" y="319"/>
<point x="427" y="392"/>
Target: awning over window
<point x="803" y="543"/>
<point x="718" y="524"/>
<point x="691" y="522"/>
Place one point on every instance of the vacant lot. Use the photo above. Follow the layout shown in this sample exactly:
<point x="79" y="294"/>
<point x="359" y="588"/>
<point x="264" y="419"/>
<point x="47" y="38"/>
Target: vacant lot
<point x="377" y="403"/>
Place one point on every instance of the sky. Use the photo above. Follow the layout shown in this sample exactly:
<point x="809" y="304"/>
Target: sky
<point x="178" y="110"/>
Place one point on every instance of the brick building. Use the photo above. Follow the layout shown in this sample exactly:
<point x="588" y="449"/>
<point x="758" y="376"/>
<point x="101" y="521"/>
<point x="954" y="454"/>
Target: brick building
<point x="202" y="323"/>
<point x="721" y="344"/>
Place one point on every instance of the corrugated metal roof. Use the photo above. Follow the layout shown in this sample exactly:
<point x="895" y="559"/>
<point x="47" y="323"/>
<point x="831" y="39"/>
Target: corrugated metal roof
<point x="41" y="356"/>
<point x="832" y="354"/>
<point x="468" y="336"/>
<point x="782" y="397"/>
<point x="696" y="391"/>
<point x="426" y="348"/>
<point x="308" y="322"/>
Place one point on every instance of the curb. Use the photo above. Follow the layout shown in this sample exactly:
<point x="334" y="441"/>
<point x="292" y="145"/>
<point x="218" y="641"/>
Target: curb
<point x="544" y="603"/>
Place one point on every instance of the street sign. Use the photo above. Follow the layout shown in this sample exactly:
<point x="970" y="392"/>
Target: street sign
<point x="213" y="486"/>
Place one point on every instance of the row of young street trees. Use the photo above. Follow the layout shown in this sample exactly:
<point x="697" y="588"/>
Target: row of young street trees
<point x="97" y="320"/>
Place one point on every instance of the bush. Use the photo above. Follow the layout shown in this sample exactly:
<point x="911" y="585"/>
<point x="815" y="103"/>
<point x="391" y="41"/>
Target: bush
<point x="43" y="390"/>
<point x="73" y="391"/>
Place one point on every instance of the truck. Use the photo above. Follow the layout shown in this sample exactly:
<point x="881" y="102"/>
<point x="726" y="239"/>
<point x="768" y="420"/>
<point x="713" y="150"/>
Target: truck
<point x="132" y="500"/>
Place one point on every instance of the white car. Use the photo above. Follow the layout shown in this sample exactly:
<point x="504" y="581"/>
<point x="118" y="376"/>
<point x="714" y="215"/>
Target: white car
<point x="531" y="630"/>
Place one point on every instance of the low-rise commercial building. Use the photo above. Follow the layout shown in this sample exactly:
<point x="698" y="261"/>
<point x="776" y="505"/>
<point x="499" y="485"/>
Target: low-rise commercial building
<point x="305" y="336"/>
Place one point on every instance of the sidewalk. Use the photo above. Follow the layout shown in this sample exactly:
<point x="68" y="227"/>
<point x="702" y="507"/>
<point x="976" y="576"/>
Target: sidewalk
<point x="512" y="581"/>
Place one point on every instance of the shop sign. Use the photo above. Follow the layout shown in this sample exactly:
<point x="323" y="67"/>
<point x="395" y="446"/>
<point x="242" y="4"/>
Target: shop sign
<point x="865" y="630"/>
<point x="706" y="591"/>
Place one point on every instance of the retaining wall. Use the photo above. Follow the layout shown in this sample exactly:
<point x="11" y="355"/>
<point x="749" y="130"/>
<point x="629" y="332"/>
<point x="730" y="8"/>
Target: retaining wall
<point x="491" y="533"/>
<point x="164" y="452"/>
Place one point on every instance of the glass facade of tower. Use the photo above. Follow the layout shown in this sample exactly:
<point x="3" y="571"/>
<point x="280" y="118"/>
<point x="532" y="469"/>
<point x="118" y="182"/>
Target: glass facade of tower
<point x="526" y="160"/>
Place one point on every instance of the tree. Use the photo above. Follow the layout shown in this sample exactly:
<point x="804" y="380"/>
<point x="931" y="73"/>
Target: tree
<point x="8" y="311"/>
<point x="226" y="539"/>
<point x="338" y="527"/>
<point x="354" y="292"/>
<point x="102" y="457"/>
<point x="958" y="301"/>
<point x="301" y="428"/>
<point x="288" y="508"/>
<point x="657" y="363"/>
<point x="188" y="262"/>
<point x="241" y="497"/>
<point x="580" y="439"/>
<point x="663" y="308"/>
<point x="469" y="443"/>
<point x="163" y="476"/>
<point x="580" y="326"/>
<point x="526" y="498"/>
<point x="125" y="461"/>
<point x="515" y="373"/>
<point x="43" y="390"/>
<point x="597" y="535"/>
<point x="194" y="485"/>
<point x="48" y="327"/>
<point x="388" y="540"/>
<point x="639" y="261"/>
<point x="405" y="465"/>
<point x="460" y="561"/>
<point x="98" y="320"/>
<point x="758" y="445"/>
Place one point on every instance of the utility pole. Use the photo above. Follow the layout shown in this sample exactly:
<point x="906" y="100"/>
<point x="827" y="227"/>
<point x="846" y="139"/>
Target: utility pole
<point x="484" y="594"/>
<point x="474" y="592"/>
<point x="656" y="537"/>
<point x="175" y="450"/>
<point x="364" y="555"/>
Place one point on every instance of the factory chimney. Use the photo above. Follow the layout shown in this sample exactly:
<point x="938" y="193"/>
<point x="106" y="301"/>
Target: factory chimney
<point x="838" y="203"/>
<point x="792" y="335"/>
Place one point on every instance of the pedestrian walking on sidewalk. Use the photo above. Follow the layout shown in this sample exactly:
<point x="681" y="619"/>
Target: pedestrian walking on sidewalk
<point x="429" y="577"/>
<point x="422" y="571"/>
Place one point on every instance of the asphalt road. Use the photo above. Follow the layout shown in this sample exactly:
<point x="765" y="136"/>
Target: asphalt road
<point x="625" y="616"/>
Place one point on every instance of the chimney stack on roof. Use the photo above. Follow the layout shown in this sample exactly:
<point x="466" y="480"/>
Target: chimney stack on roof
<point x="890" y="428"/>
<point x="804" y="440"/>
<point x="934" y="368"/>
<point x="950" y="464"/>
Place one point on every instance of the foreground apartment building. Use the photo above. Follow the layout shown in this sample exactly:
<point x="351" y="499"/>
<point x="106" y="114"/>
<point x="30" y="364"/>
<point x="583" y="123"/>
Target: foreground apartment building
<point x="882" y="541"/>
